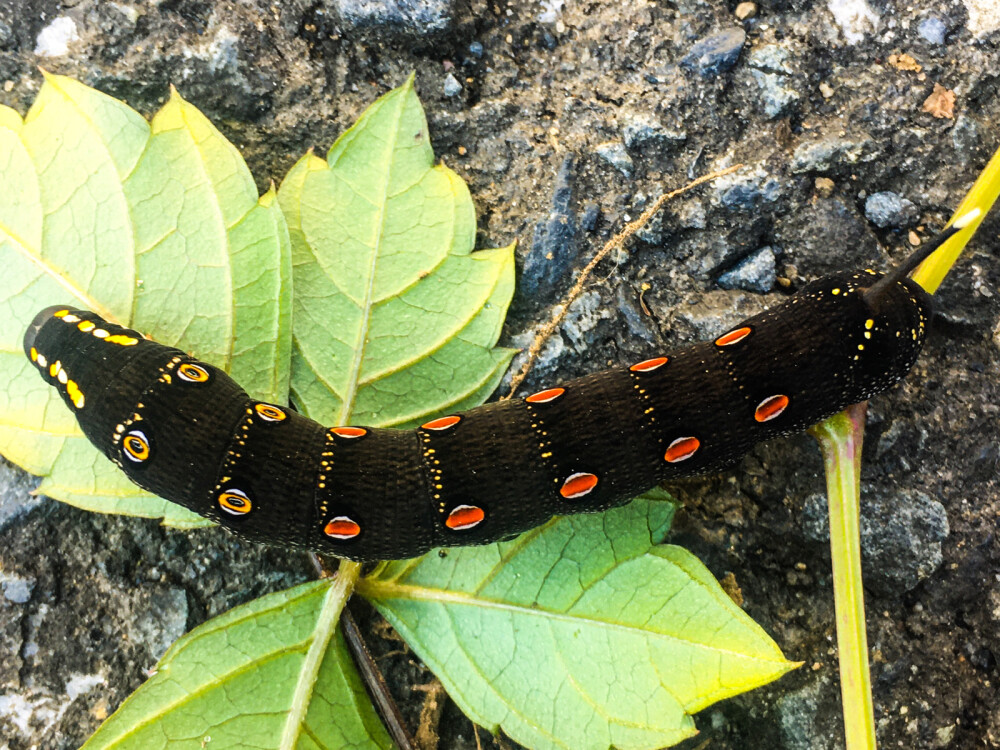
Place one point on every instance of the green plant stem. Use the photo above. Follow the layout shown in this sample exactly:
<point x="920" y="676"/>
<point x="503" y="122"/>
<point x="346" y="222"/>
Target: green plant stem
<point x="840" y="438"/>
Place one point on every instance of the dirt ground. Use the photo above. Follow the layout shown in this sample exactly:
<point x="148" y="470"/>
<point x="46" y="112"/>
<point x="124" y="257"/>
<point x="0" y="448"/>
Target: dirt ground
<point x="566" y="118"/>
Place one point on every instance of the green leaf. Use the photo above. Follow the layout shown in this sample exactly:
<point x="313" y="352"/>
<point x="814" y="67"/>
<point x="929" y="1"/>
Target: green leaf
<point x="395" y="317"/>
<point x="274" y="673"/>
<point x="580" y="634"/>
<point x="156" y="225"/>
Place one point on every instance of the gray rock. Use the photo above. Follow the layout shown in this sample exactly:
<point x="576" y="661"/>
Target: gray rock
<point x="692" y="215"/>
<point x="933" y="30"/>
<point x="451" y="86"/>
<point x="799" y="719"/>
<point x="777" y="96"/>
<point x="553" y="247"/>
<point x="15" y="588"/>
<point x="829" y="152"/>
<point x="772" y="70"/>
<point x="582" y="318"/>
<point x="755" y="273"/>
<point x="642" y="132"/>
<point x="412" y="17"/>
<point x="887" y="209"/>
<point x="15" y="493"/>
<point x="614" y="153"/>
<point x="161" y="618"/>
<point x="715" y="54"/>
<point x="747" y="189"/>
<point x="901" y="535"/>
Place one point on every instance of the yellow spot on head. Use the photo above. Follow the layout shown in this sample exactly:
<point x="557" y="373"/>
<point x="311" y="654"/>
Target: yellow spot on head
<point x="60" y="313"/>
<point x="835" y="291"/>
<point x="861" y="347"/>
<point x="54" y="368"/>
<point x="34" y="354"/>
<point x="869" y="324"/>
<point x="86" y="326"/>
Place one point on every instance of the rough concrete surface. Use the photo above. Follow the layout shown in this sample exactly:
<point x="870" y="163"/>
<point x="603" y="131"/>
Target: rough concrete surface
<point x="566" y="118"/>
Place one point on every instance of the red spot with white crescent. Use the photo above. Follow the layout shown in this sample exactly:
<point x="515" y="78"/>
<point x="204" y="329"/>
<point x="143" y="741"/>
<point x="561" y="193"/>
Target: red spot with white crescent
<point x="442" y="423"/>
<point x="770" y="407"/>
<point x="681" y="449"/>
<point x="463" y="517"/>
<point x="349" y="432"/>
<point x="649" y="365"/>
<point x="733" y="337"/>
<point x="578" y="485"/>
<point x="342" y="527"/>
<point x="544" y="397"/>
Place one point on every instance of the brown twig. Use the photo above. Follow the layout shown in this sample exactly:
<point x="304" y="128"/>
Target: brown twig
<point x="372" y="677"/>
<point x="614" y="242"/>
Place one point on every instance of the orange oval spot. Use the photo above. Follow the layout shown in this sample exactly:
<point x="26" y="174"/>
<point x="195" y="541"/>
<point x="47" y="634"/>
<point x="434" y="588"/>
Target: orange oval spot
<point x="60" y="313"/>
<point x="649" y="365"/>
<point x="464" y="517"/>
<point x="733" y="337"/>
<point x="544" y="397"/>
<point x="578" y="485"/>
<point x="136" y="446"/>
<point x="34" y="354"/>
<point x="187" y="371"/>
<point x="770" y="407"/>
<point x="442" y="423"/>
<point x="681" y="449"/>
<point x="349" y="432"/>
<point x="235" y="502"/>
<point x="270" y="413"/>
<point x="86" y="326"/>
<point x="342" y="527"/>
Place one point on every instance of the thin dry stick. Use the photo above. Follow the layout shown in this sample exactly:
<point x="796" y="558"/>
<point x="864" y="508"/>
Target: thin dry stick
<point x="614" y="242"/>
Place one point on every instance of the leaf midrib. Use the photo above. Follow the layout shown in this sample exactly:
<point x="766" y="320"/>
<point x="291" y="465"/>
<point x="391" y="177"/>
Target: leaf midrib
<point x="380" y="591"/>
<point x="347" y="404"/>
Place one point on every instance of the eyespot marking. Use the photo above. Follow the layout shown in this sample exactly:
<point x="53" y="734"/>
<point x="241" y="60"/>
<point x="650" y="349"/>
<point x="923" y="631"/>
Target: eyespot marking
<point x="578" y="485"/>
<point x="190" y="372"/>
<point x="342" y="528"/>
<point x="349" y="432"/>
<point x="464" y="517"/>
<point x="546" y="396"/>
<point x="235" y="502"/>
<point x="733" y="337"/>
<point x="682" y="449"/>
<point x="136" y="446"/>
<point x="649" y="365"/>
<point x="442" y="423"/>
<point x="770" y="408"/>
<point x="270" y="413"/>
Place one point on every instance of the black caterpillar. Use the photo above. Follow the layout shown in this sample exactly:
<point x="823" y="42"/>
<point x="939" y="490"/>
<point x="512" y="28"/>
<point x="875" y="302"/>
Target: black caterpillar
<point x="184" y="430"/>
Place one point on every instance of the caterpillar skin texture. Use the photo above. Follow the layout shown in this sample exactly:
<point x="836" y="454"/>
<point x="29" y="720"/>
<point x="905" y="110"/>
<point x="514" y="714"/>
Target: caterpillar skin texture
<point x="184" y="430"/>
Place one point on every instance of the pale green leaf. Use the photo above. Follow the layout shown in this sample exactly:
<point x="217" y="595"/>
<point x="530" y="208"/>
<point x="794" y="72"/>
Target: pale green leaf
<point x="395" y="317"/>
<point x="153" y="225"/>
<point x="274" y="673"/>
<point x="581" y="634"/>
